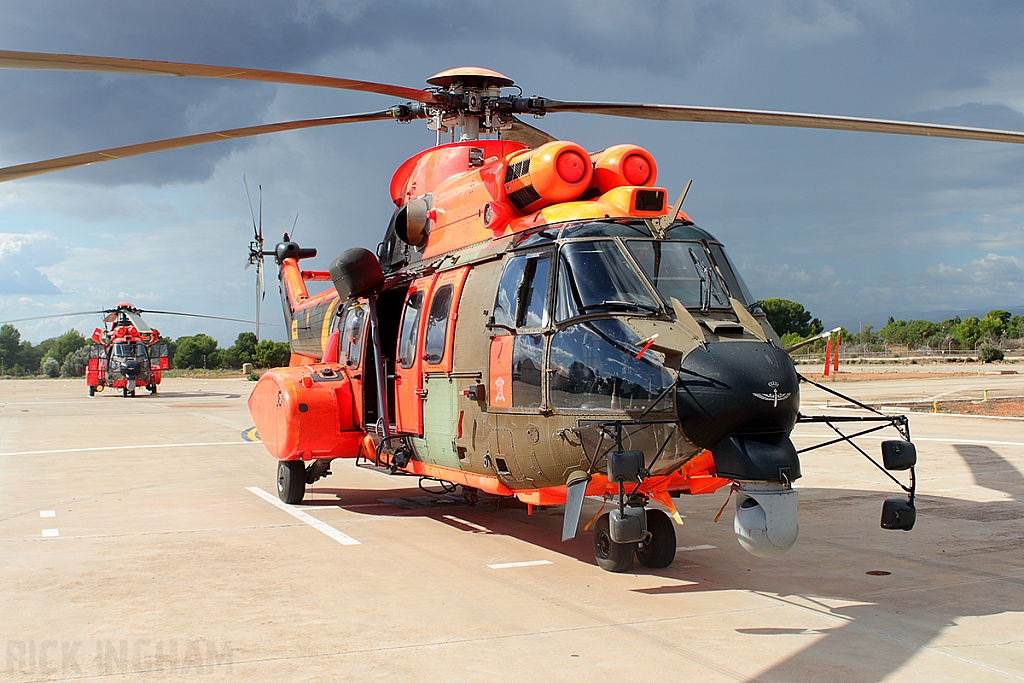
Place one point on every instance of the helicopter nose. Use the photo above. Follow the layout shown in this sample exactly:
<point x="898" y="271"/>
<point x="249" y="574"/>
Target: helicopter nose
<point x="740" y="401"/>
<point x="131" y="368"/>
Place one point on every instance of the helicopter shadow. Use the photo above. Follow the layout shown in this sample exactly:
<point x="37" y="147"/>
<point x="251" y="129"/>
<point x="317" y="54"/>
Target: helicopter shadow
<point x="956" y="566"/>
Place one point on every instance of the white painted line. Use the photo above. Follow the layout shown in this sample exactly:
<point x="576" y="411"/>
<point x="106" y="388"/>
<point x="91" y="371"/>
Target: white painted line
<point x="978" y="442"/>
<point x="471" y="525"/>
<point x="131" y="448"/>
<point x="50" y="533"/>
<point x="47" y="513"/>
<point x="322" y="527"/>
<point x="510" y="565"/>
<point x="688" y="548"/>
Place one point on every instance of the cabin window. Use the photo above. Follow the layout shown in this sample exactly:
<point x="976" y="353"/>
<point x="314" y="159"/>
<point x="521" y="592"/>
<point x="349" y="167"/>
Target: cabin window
<point x="527" y="368"/>
<point x="410" y="326"/>
<point x="594" y="367"/>
<point x="437" y="325"/>
<point x="352" y="336"/>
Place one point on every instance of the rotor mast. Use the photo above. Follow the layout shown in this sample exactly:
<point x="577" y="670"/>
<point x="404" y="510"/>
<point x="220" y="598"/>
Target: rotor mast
<point x="469" y="100"/>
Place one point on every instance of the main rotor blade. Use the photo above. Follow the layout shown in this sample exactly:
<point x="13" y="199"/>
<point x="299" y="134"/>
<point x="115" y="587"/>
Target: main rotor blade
<point x="679" y="112"/>
<point x="43" y="61"/>
<point x="139" y="323"/>
<point x="76" y="160"/>
<point x="199" y="315"/>
<point x="57" y="315"/>
<point x="525" y="133"/>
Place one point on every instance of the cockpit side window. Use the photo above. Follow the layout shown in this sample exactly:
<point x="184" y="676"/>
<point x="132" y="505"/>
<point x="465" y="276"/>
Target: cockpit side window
<point x="507" y="302"/>
<point x="737" y="287"/>
<point x="533" y="311"/>
<point x="522" y="300"/>
<point x="352" y="336"/>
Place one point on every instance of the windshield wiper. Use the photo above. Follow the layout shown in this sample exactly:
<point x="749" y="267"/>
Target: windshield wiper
<point x="619" y="303"/>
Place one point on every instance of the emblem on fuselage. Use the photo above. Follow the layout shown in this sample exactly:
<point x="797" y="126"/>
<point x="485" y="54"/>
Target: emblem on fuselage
<point x="775" y="396"/>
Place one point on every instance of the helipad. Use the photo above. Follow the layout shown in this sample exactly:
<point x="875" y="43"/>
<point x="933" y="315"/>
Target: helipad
<point x="137" y="542"/>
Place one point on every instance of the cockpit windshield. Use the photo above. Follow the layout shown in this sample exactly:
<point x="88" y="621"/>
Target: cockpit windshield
<point x="680" y="270"/>
<point x="596" y="277"/>
<point x="129" y="350"/>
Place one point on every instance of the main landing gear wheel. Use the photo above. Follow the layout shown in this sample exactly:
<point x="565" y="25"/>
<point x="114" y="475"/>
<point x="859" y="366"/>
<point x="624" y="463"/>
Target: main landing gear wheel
<point x="611" y="556"/>
<point x="291" y="481"/>
<point x="152" y="389"/>
<point x="660" y="551"/>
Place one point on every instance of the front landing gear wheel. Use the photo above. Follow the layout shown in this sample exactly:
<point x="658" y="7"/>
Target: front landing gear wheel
<point x="291" y="481"/>
<point x="660" y="551"/>
<point x="611" y="556"/>
<point x="92" y="391"/>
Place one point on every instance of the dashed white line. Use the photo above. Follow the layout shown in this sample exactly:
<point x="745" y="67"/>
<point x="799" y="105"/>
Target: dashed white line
<point x="471" y="525"/>
<point x="688" y="548"/>
<point x="50" y="533"/>
<point x="322" y="527"/>
<point x="510" y="565"/>
<point x="47" y="513"/>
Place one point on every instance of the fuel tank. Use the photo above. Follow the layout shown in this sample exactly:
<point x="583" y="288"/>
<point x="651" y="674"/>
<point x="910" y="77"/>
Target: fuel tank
<point x="306" y="412"/>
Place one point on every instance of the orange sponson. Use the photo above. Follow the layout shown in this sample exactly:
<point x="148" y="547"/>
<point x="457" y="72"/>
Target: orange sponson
<point x="306" y="412"/>
<point x="555" y="172"/>
<point x="621" y="165"/>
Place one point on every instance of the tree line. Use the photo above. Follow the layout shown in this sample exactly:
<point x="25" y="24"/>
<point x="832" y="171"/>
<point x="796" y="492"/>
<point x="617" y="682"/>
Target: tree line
<point x="68" y="354"/>
<point x="995" y="329"/>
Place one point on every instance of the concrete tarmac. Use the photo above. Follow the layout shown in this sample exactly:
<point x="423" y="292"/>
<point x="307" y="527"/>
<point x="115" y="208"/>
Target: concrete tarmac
<point x="137" y="543"/>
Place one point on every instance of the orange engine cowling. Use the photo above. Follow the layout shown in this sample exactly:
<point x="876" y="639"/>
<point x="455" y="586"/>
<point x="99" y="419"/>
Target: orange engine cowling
<point x="555" y="172"/>
<point x="622" y="165"/>
<point x="306" y="412"/>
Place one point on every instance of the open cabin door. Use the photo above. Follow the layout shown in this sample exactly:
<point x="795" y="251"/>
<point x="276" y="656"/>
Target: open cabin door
<point x="409" y="361"/>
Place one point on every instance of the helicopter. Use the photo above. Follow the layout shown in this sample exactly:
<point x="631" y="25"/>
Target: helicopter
<point x="538" y="322"/>
<point x="126" y="353"/>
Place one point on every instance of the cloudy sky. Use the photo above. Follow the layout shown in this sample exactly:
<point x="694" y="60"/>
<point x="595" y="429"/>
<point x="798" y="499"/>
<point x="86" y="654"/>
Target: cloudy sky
<point x="855" y="226"/>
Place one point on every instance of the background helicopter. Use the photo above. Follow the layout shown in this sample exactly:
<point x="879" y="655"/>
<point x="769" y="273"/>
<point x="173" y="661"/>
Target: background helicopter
<point x="126" y="353"/>
<point x="612" y="386"/>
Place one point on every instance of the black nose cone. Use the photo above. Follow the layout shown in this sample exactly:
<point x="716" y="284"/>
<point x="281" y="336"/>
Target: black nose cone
<point x="738" y="395"/>
<point x="131" y="368"/>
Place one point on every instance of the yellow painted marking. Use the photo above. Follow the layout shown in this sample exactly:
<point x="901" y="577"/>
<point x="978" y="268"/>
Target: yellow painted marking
<point x="251" y="434"/>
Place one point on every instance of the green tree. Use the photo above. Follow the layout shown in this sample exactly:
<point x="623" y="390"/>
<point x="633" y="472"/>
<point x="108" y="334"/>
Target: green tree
<point x="29" y="357"/>
<point x="10" y="346"/>
<point x="51" y="368"/>
<point x="61" y="346"/>
<point x="198" y="351"/>
<point x="271" y="354"/>
<point x="1015" y="327"/>
<point x="968" y="332"/>
<point x="789" y="316"/>
<point x="994" y="324"/>
<point x="75" y="363"/>
<point x="241" y="352"/>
